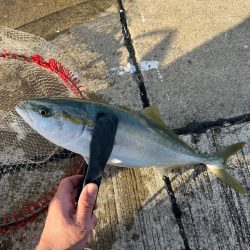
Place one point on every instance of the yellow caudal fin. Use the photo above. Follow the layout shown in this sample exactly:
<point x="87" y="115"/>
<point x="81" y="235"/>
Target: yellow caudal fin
<point x="217" y="166"/>
<point x="227" y="178"/>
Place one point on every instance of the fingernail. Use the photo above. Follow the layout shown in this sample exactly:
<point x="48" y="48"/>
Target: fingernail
<point x="92" y="190"/>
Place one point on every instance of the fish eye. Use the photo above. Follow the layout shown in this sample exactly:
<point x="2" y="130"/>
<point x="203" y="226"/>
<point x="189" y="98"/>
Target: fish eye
<point x="43" y="112"/>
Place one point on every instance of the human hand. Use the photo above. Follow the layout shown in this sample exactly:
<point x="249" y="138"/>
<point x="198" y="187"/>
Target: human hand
<point x="66" y="226"/>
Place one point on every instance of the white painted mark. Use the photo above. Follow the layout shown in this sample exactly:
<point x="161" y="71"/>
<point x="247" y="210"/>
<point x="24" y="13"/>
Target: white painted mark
<point x="130" y="68"/>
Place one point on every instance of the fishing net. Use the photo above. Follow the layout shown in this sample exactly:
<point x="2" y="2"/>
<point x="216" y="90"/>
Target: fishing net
<point x="30" y="166"/>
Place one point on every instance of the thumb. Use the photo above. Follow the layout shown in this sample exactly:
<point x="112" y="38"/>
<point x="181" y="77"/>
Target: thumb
<point x="86" y="203"/>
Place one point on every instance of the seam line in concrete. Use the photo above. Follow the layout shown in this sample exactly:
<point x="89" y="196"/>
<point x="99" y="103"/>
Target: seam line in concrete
<point x="129" y="45"/>
<point x="145" y="101"/>
<point x="177" y="211"/>
<point x="199" y="128"/>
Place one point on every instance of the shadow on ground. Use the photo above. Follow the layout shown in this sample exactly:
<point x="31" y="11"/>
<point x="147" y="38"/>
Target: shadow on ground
<point x="47" y="18"/>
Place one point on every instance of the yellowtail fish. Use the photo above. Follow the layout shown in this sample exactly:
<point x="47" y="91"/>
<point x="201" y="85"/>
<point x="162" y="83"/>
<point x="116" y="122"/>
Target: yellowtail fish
<point x="142" y="138"/>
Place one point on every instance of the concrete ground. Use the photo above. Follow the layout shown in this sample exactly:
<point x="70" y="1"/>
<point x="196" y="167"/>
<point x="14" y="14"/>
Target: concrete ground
<point x="194" y="59"/>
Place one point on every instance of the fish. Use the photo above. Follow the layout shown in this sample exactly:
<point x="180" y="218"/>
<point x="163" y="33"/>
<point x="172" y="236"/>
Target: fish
<point x="142" y="139"/>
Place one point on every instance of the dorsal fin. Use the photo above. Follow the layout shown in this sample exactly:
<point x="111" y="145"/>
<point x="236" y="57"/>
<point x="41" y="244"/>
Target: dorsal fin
<point x="153" y="113"/>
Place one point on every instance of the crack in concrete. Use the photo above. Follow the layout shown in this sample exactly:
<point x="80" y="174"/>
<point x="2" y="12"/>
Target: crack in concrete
<point x="145" y="102"/>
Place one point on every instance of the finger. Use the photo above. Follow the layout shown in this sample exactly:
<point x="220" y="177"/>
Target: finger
<point x="86" y="204"/>
<point x="96" y="205"/>
<point x="69" y="184"/>
<point x="93" y="221"/>
<point x="90" y="237"/>
<point x="66" y="194"/>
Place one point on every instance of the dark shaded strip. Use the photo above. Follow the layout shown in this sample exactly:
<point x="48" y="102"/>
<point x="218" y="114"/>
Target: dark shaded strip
<point x="199" y="128"/>
<point x="145" y="102"/>
<point x="129" y="45"/>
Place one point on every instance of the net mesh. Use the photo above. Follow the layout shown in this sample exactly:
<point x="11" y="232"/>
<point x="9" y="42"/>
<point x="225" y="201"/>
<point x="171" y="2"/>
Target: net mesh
<point x="30" y="166"/>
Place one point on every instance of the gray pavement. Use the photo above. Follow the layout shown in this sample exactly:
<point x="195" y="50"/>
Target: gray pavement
<point x="195" y="60"/>
<point x="203" y="52"/>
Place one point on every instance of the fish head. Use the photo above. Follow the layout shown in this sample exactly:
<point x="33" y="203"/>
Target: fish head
<point x="59" y="122"/>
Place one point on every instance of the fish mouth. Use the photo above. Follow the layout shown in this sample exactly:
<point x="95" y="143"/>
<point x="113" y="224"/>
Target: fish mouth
<point x="23" y="112"/>
<point x="20" y="107"/>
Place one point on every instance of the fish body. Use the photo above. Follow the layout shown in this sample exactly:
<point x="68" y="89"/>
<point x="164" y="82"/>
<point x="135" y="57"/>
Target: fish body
<point x="142" y="138"/>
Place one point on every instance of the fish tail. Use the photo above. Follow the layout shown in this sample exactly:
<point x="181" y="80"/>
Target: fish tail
<point x="217" y="165"/>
